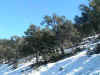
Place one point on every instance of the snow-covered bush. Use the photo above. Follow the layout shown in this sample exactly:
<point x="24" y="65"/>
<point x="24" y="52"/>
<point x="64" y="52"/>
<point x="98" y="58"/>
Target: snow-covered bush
<point x="90" y="52"/>
<point x="98" y="37"/>
<point x="95" y="50"/>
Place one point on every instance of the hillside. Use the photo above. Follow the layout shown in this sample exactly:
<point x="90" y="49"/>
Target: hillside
<point x="79" y="64"/>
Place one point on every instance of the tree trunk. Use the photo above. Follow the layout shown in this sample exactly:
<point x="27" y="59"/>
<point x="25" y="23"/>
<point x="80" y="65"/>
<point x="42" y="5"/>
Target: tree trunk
<point x="62" y="49"/>
<point x="37" y="58"/>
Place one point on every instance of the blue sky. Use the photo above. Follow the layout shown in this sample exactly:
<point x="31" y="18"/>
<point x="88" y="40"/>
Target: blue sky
<point x="17" y="15"/>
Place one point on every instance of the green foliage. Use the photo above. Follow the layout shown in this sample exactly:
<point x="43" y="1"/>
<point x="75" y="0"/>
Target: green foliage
<point x="38" y="42"/>
<point x="9" y="49"/>
<point x="55" y="33"/>
<point x="63" y="29"/>
<point x="47" y="42"/>
<point x="89" y="22"/>
<point x="97" y="50"/>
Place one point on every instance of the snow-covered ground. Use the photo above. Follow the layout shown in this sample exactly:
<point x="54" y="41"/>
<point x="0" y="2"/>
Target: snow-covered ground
<point x="79" y="64"/>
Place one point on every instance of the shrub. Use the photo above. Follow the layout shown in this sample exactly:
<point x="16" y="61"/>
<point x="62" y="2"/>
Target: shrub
<point x="97" y="50"/>
<point x="78" y="49"/>
<point x="90" y="52"/>
<point x="98" y="37"/>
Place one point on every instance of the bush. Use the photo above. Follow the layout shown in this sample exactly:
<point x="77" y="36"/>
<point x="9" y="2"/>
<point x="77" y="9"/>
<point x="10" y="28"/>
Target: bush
<point x="90" y="52"/>
<point x="98" y="37"/>
<point x="78" y="49"/>
<point x="97" y="50"/>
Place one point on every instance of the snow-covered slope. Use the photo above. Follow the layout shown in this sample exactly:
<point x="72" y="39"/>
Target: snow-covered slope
<point x="79" y="64"/>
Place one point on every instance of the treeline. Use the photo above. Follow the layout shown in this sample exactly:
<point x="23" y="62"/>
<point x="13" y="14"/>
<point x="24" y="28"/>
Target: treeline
<point x="9" y="49"/>
<point x="47" y="42"/>
<point x="54" y="34"/>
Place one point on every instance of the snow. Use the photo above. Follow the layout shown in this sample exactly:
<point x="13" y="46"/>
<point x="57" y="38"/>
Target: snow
<point x="79" y="64"/>
<point x="25" y="65"/>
